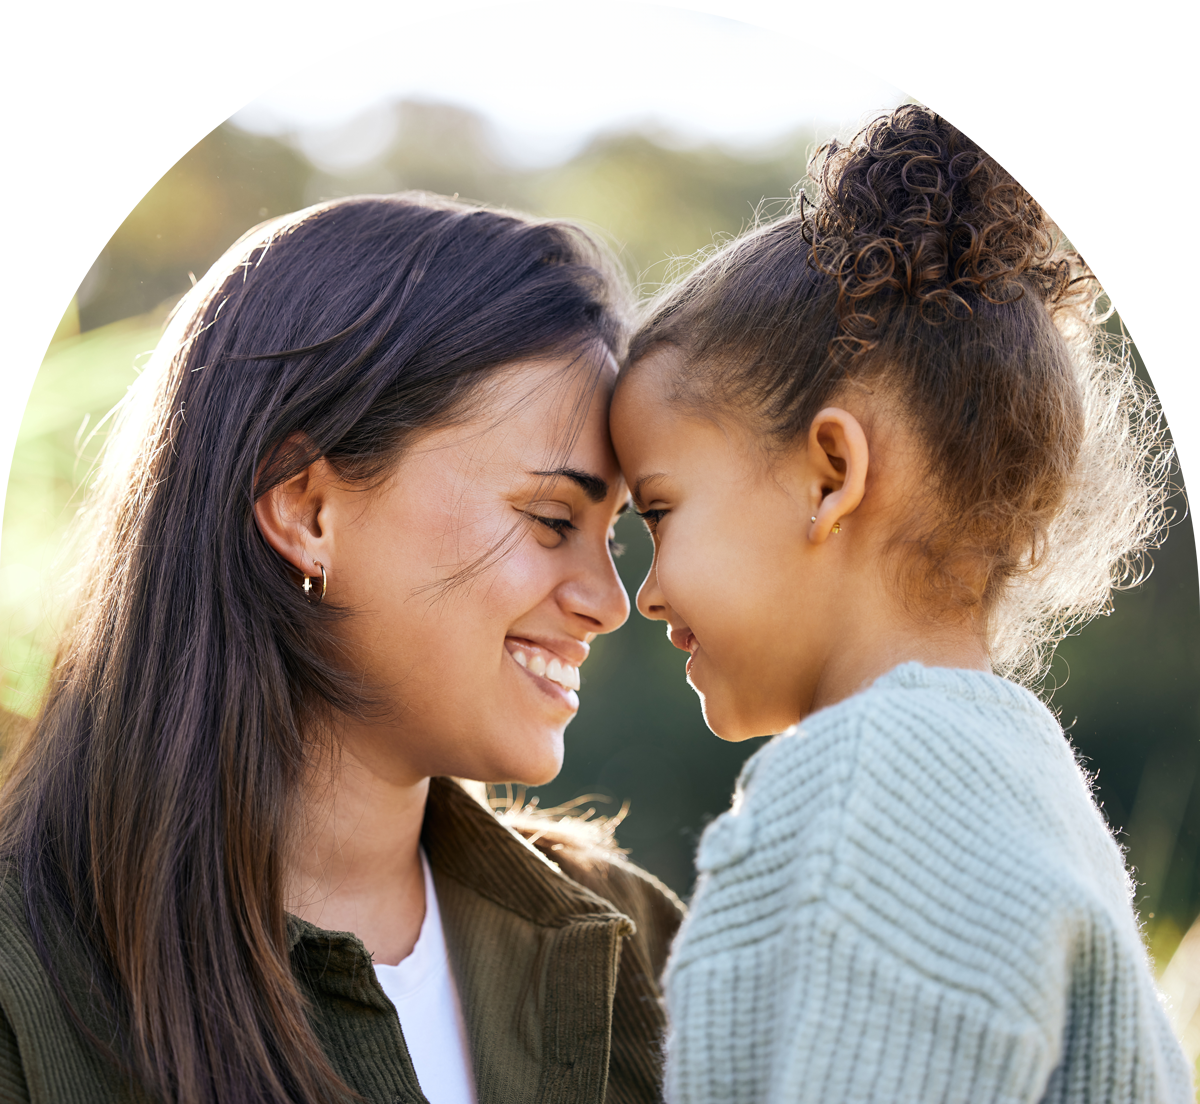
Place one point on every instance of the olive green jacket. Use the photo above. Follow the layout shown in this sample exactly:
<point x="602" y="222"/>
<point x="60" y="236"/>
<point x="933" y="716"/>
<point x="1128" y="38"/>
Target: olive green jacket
<point x="556" y="962"/>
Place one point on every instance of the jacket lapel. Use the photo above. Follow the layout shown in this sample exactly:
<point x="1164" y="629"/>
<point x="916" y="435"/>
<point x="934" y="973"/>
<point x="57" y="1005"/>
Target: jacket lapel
<point x="534" y="956"/>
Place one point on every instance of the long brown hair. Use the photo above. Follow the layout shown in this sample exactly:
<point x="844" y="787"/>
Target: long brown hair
<point x="148" y="813"/>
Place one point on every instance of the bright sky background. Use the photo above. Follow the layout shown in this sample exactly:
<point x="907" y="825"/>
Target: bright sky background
<point x="549" y="75"/>
<point x="697" y="77"/>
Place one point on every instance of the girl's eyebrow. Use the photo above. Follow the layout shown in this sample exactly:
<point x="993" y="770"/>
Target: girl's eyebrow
<point x="593" y="486"/>
<point x="636" y="490"/>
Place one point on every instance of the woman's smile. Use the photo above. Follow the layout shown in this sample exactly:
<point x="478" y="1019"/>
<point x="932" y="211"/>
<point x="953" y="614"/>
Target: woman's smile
<point x="544" y="663"/>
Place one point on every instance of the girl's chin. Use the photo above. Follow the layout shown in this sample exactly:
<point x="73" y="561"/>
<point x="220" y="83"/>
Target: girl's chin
<point x="726" y="723"/>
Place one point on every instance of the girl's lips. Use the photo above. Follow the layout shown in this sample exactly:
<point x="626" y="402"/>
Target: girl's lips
<point x="683" y="638"/>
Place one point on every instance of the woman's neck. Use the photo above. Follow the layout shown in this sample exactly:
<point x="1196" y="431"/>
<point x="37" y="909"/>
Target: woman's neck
<point x="357" y="864"/>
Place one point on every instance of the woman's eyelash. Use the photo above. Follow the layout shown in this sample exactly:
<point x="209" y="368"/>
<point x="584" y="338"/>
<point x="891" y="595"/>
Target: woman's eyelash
<point x="651" y="517"/>
<point x="559" y="525"/>
<point x="562" y="526"/>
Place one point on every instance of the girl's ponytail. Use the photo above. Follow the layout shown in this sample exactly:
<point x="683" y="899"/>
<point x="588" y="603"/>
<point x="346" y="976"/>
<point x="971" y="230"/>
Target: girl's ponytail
<point x="922" y="274"/>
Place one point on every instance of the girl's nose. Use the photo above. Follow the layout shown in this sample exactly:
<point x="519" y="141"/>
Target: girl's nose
<point x="650" y="602"/>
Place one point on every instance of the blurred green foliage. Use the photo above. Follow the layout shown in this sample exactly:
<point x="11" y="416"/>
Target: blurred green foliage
<point x="1126" y="688"/>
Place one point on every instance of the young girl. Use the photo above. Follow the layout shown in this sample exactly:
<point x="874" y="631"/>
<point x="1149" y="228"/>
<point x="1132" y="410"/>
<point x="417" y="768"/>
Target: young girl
<point x="885" y="463"/>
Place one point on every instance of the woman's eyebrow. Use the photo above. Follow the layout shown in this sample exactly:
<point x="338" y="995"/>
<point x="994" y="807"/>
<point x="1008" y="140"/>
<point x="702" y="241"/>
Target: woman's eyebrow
<point x="593" y="486"/>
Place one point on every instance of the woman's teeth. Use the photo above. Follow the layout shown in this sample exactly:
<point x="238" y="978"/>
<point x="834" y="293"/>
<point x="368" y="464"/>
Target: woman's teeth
<point x="556" y="671"/>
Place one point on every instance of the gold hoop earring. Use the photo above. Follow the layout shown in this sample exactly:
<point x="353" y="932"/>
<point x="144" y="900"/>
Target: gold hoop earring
<point x="308" y="588"/>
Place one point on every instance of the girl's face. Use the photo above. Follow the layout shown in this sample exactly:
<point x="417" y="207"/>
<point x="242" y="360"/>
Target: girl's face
<point x="733" y="574"/>
<point x="478" y="575"/>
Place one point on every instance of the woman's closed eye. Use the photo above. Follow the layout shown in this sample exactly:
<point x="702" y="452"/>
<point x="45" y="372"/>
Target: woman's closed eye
<point x="560" y="525"/>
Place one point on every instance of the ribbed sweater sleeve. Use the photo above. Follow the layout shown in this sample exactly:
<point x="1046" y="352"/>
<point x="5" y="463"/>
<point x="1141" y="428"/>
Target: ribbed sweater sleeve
<point x="914" y="898"/>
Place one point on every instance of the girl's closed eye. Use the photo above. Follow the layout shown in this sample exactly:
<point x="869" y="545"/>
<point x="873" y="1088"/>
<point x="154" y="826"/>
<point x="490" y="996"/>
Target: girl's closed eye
<point x="651" y="518"/>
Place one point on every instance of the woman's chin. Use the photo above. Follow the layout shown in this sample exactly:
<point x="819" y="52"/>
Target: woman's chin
<point x="534" y="767"/>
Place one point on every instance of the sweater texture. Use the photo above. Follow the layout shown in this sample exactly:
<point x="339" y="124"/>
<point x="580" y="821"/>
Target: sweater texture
<point x="915" y="898"/>
<point x="555" y="948"/>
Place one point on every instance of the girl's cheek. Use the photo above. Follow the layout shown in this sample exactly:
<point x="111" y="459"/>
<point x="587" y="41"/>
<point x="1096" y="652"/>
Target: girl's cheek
<point x="680" y="576"/>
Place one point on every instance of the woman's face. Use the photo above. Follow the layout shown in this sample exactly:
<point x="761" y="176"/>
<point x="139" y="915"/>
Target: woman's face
<point x="478" y="575"/>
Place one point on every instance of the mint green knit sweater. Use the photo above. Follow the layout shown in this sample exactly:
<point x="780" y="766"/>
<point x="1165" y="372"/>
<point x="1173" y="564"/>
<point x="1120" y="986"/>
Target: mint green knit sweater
<point x="914" y="898"/>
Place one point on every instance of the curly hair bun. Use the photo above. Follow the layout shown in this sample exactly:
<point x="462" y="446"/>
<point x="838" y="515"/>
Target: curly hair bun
<point x="924" y="273"/>
<point x="913" y="206"/>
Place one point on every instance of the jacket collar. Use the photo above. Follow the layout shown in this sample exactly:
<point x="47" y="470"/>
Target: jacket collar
<point x="535" y="956"/>
<point x="471" y="845"/>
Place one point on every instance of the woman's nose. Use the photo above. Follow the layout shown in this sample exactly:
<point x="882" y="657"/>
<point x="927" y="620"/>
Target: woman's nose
<point x="599" y="596"/>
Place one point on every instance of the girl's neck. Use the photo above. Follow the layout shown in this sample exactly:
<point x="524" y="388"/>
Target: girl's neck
<point x="357" y="864"/>
<point x="869" y="647"/>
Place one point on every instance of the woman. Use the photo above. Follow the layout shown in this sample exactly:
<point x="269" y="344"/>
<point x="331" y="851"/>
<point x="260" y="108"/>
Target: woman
<point x="350" y="540"/>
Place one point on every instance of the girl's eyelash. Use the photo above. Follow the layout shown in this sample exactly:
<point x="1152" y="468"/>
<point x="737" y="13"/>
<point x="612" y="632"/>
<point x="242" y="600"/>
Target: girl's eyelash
<point x="651" y="517"/>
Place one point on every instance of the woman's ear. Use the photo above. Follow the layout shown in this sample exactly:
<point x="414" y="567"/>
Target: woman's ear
<point x="289" y="516"/>
<point x="837" y="457"/>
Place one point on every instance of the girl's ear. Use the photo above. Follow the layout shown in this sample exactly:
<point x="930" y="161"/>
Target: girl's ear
<point x="289" y="516"/>
<point x="837" y="457"/>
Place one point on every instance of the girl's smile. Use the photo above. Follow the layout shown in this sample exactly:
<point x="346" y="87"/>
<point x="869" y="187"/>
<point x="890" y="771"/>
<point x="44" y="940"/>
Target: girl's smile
<point x="731" y="574"/>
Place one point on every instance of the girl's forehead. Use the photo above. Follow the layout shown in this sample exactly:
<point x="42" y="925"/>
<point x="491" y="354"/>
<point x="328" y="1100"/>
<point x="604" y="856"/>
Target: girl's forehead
<point x="642" y="396"/>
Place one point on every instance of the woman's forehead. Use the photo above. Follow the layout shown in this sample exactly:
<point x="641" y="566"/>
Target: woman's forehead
<point x="535" y="416"/>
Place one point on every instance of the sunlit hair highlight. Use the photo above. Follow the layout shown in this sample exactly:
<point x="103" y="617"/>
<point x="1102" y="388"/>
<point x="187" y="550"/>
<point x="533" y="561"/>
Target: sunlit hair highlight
<point x="920" y="274"/>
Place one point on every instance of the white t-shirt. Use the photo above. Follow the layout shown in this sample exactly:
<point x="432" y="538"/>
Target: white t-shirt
<point x="423" y="991"/>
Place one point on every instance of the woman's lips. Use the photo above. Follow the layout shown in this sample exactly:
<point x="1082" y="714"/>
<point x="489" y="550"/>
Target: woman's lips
<point x="542" y="662"/>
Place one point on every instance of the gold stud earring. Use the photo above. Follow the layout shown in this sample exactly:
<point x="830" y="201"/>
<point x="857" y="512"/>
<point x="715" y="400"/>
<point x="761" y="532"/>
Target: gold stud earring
<point x="837" y="527"/>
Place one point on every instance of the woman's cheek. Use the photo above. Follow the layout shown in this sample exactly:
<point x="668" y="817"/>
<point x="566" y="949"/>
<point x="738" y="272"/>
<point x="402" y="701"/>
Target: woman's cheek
<point x="514" y="586"/>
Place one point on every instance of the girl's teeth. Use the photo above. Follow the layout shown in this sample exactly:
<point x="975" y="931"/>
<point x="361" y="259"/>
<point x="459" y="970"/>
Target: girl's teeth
<point x="556" y="671"/>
